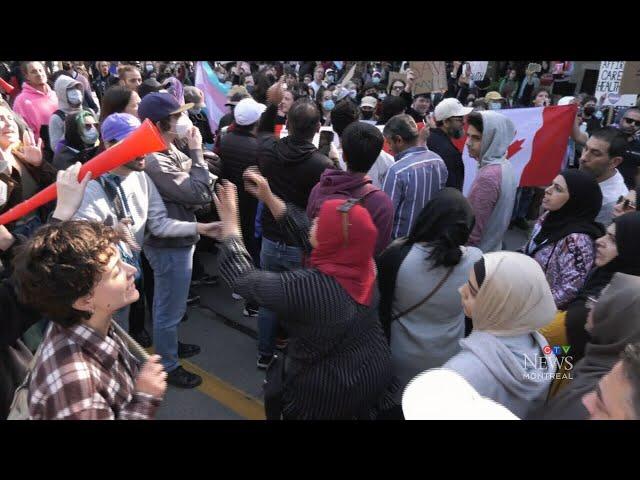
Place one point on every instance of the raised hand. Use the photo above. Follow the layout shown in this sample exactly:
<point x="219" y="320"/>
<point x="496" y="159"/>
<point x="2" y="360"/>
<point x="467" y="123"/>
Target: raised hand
<point x="256" y="184"/>
<point x="70" y="191"/>
<point x="194" y="138"/>
<point x="30" y="152"/>
<point x="226" y="201"/>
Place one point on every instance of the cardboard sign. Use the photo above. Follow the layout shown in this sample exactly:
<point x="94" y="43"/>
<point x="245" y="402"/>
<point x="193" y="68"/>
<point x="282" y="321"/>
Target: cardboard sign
<point x="609" y="86"/>
<point x="478" y="70"/>
<point x="430" y="77"/>
<point x="393" y="76"/>
<point x="630" y="84"/>
<point x="348" y="76"/>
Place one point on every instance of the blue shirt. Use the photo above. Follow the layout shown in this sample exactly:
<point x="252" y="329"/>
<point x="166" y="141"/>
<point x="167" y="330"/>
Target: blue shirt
<point x="411" y="182"/>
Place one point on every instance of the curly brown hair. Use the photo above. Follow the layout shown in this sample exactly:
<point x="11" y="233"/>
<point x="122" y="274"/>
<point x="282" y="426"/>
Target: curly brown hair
<point x="60" y="264"/>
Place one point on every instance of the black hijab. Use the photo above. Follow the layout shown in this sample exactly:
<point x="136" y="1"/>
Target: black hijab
<point x="578" y="214"/>
<point x="627" y="261"/>
<point x="445" y="223"/>
<point x="616" y="323"/>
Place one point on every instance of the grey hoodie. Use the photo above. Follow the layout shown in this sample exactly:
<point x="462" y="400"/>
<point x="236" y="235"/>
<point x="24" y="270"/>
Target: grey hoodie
<point x="498" y="133"/>
<point x="496" y="367"/>
<point x="56" y="124"/>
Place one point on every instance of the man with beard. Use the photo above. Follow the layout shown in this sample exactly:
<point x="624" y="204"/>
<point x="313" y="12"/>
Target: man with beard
<point x="449" y="115"/>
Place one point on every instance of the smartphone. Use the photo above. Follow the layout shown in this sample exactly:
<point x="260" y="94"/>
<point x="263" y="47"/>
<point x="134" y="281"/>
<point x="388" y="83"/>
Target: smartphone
<point x="326" y="138"/>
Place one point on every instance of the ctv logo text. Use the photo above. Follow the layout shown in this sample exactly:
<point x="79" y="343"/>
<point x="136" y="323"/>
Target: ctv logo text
<point x="556" y="350"/>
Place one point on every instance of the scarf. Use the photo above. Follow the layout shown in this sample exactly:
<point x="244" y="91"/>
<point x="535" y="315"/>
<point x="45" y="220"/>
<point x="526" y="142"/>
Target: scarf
<point x="616" y="323"/>
<point x="577" y="215"/>
<point x="514" y="297"/>
<point x="627" y="261"/>
<point x="348" y="260"/>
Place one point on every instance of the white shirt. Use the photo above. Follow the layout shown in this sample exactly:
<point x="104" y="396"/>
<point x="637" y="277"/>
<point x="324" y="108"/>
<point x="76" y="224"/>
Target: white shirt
<point x="378" y="170"/>
<point x="611" y="189"/>
<point x="316" y="86"/>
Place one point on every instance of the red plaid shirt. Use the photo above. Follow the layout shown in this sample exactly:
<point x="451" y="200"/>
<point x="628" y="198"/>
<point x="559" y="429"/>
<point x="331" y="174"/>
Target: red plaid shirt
<point x="82" y="375"/>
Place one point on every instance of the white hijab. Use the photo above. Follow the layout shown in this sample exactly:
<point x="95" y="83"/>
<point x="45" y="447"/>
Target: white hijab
<point x="514" y="297"/>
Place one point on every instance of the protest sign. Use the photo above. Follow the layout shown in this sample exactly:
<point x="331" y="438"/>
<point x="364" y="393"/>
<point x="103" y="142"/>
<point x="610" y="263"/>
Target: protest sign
<point x="630" y="84"/>
<point x="608" y="87"/>
<point x="348" y="76"/>
<point x="478" y="70"/>
<point x="430" y="77"/>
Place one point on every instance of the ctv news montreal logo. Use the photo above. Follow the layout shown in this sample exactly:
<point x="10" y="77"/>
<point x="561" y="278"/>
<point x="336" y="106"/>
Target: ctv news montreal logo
<point x="557" y="356"/>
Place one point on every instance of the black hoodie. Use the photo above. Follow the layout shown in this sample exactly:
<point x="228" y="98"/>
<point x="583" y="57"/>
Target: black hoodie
<point x="292" y="167"/>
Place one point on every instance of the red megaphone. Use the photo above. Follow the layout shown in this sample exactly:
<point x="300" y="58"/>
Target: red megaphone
<point x="6" y="86"/>
<point x="145" y="139"/>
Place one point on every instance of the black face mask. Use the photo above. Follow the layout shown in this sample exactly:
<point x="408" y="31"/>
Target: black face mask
<point x="589" y="110"/>
<point x="367" y="115"/>
<point x="457" y="133"/>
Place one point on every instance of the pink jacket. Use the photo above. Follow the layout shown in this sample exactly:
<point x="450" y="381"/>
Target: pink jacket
<point x="35" y="107"/>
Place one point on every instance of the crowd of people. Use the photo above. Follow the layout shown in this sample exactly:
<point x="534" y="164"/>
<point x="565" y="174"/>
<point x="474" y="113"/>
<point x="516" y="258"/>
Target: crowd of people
<point x="333" y="199"/>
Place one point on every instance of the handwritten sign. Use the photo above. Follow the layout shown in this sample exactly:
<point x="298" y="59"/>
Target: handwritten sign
<point x="430" y="77"/>
<point x="478" y="70"/>
<point x="610" y="79"/>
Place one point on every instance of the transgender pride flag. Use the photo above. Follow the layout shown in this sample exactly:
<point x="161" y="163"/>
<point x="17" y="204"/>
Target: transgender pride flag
<point x="215" y="93"/>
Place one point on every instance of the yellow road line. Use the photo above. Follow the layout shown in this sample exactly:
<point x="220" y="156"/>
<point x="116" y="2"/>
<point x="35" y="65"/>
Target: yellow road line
<point x="234" y="399"/>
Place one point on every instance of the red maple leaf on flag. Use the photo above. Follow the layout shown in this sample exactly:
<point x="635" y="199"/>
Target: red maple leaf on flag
<point x="514" y="148"/>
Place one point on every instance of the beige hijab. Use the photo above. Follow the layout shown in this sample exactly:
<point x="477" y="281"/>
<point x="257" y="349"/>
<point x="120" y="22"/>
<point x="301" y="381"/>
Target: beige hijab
<point x="514" y="298"/>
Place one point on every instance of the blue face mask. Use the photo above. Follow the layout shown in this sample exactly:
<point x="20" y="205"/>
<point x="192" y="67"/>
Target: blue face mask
<point x="375" y="80"/>
<point x="328" y="105"/>
<point x="598" y="115"/>
<point x="495" y="106"/>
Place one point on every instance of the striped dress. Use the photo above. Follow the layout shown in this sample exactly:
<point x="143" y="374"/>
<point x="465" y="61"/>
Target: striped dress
<point x="411" y="182"/>
<point x="339" y="363"/>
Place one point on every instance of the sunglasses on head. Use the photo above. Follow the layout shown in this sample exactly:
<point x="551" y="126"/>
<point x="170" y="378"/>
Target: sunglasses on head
<point x="632" y="121"/>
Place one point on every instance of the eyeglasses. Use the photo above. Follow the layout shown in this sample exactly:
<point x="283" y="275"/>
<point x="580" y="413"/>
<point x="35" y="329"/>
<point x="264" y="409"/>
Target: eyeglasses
<point x="344" y="210"/>
<point x="631" y="121"/>
<point x="460" y="119"/>
<point x="397" y="87"/>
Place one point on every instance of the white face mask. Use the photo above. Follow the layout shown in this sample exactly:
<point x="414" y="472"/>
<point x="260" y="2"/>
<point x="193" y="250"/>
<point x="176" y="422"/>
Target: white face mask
<point x="183" y="125"/>
<point x="74" y="97"/>
<point x="90" y="137"/>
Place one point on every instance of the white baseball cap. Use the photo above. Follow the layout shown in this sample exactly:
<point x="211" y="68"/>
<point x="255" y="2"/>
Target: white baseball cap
<point x="369" y="101"/>
<point x="248" y="111"/>
<point x="565" y="101"/>
<point x="450" y="107"/>
<point x="442" y="394"/>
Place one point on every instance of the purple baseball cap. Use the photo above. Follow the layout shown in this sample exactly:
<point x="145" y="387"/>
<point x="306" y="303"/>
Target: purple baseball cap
<point x="118" y="126"/>
<point x="159" y="105"/>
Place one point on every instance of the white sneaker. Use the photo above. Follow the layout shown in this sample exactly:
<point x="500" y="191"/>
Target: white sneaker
<point x="235" y="296"/>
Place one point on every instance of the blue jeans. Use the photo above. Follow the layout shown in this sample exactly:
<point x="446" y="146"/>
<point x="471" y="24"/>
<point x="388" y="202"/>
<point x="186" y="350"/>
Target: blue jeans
<point x="274" y="257"/>
<point x="172" y="277"/>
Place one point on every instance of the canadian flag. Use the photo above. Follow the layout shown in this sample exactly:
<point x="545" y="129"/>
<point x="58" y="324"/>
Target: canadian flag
<point x="538" y="148"/>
